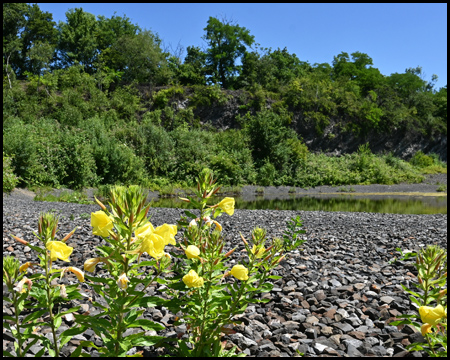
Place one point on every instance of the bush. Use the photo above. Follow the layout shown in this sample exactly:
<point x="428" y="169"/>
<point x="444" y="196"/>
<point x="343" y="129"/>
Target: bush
<point x="421" y="160"/>
<point x="10" y="180"/>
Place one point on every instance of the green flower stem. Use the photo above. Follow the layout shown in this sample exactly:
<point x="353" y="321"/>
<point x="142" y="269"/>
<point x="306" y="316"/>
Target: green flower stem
<point x="119" y="330"/>
<point x="430" y="345"/>
<point x="204" y="309"/>
<point x="146" y="286"/>
<point x="50" y="302"/>
<point x="16" y="313"/>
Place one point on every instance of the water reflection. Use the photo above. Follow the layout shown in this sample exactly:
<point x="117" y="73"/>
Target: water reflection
<point x="377" y="204"/>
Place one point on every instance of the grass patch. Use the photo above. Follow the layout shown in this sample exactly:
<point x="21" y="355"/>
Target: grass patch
<point x="76" y="197"/>
<point x="442" y="188"/>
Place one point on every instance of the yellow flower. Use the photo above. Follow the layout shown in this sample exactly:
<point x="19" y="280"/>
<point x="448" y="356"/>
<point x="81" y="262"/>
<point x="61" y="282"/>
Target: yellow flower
<point x="101" y="223"/>
<point x="122" y="281"/>
<point x="89" y="264"/>
<point x="154" y="246"/>
<point x="260" y="253"/>
<point x="227" y="205"/>
<point x="426" y="328"/>
<point x="431" y="315"/>
<point x="59" y="250"/>
<point x="240" y="272"/>
<point x="25" y="266"/>
<point x="79" y="274"/>
<point x="155" y="239"/>
<point x="167" y="232"/>
<point x="192" y="251"/>
<point x="192" y="280"/>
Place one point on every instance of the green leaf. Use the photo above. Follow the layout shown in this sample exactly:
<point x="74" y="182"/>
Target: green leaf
<point x="58" y="322"/>
<point x="191" y="215"/>
<point x="7" y="354"/>
<point x="36" y="338"/>
<point x="77" y="351"/>
<point x="149" y="301"/>
<point x="34" y="315"/>
<point x="146" y="325"/>
<point x="274" y="277"/>
<point x="7" y="317"/>
<point x="7" y="299"/>
<point x="146" y="340"/>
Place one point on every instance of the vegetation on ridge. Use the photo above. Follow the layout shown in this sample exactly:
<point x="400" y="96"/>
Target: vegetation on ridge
<point x="118" y="109"/>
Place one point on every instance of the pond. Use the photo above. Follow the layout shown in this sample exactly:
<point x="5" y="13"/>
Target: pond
<point x="394" y="204"/>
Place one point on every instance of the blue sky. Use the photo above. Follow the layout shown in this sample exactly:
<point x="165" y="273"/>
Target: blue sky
<point x="395" y="36"/>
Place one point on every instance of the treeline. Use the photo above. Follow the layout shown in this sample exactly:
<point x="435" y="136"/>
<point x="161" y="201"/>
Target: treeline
<point x="74" y="112"/>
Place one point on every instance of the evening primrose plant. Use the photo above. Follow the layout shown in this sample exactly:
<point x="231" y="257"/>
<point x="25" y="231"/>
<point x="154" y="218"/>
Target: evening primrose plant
<point x="431" y="264"/>
<point x="208" y="290"/>
<point x="46" y="289"/>
<point x="128" y="235"/>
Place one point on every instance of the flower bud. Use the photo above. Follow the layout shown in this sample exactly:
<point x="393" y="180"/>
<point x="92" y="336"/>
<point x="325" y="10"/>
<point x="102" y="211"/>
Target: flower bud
<point x="229" y="253"/>
<point x="69" y="235"/>
<point x="22" y="241"/>
<point x="245" y="241"/>
<point x="103" y="207"/>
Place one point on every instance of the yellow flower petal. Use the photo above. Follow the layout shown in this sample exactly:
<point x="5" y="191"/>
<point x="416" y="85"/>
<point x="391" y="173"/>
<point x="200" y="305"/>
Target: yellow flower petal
<point x="431" y="315"/>
<point x="425" y="328"/>
<point x="59" y="250"/>
<point x="260" y="253"/>
<point x="79" y="274"/>
<point x="227" y="205"/>
<point x="144" y="230"/>
<point x="167" y="232"/>
<point x="25" y="266"/>
<point x="101" y="223"/>
<point x="240" y="272"/>
<point x="89" y="264"/>
<point x="192" y="280"/>
<point x="192" y="251"/>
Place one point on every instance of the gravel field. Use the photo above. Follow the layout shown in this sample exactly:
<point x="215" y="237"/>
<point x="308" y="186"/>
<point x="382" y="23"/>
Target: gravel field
<point x="336" y="298"/>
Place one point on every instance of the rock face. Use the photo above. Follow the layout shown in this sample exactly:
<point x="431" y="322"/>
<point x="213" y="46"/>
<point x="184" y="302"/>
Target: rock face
<point x="222" y="115"/>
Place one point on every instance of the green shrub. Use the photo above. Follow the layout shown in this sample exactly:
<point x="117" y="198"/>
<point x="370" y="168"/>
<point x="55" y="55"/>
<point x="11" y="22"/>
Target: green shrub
<point x="208" y="95"/>
<point x="421" y="160"/>
<point x="162" y="97"/>
<point x="10" y="180"/>
<point x="267" y="174"/>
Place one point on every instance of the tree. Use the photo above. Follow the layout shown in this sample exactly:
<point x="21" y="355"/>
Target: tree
<point x="78" y="42"/>
<point x="140" y="57"/>
<point x="227" y="43"/>
<point x="109" y="30"/>
<point x="192" y="71"/>
<point x="39" y="40"/>
<point x="13" y="23"/>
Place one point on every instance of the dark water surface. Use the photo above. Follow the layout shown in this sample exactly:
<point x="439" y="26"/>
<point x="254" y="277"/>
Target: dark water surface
<point x="394" y="204"/>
